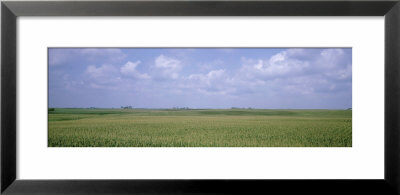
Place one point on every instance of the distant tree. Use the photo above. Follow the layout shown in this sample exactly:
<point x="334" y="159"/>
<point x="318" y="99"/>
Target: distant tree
<point x="51" y="109"/>
<point x="126" y="107"/>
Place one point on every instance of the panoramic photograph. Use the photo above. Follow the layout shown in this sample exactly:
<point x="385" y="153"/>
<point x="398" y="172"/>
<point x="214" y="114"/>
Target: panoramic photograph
<point x="199" y="97"/>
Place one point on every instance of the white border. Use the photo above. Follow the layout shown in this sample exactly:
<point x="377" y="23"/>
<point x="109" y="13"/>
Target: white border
<point x="362" y="161"/>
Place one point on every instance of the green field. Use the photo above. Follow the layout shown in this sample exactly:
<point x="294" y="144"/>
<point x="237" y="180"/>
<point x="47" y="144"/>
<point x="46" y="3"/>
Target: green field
<point x="199" y="128"/>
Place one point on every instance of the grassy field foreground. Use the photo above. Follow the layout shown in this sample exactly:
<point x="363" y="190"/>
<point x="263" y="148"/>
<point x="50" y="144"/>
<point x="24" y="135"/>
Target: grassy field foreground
<point x="199" y="128"/>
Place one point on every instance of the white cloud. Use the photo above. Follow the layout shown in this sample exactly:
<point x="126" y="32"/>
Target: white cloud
<point x="300" y="71"/>
<point x="104" y="76"/>
<point x="129" y="69"/>
<point x="207" y="79"/>
<point x="168" y="67"/>
<point x="215" y="82"/>
<point x="99" y="72"/>
<point x="166" y="62"/>
<point x="278" y="65"/>
<point x="216" y="73"/>
<point x="295" y="62"/>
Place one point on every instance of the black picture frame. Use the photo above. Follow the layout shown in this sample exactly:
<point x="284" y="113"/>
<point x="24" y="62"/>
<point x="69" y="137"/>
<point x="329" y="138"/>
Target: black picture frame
<point x="11" y="10"/>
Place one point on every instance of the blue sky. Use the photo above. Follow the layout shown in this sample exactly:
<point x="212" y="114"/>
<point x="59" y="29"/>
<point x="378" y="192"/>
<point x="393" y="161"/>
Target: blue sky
<point x="273" y="78"/>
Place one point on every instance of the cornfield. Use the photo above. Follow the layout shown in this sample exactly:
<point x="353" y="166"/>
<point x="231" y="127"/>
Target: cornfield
<point x="199" y="128"/>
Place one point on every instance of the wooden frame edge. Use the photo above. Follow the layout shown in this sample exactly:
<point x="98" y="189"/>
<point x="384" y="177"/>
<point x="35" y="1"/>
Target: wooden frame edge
<point x="392" y="97"/>
<point x="8" y="97"/>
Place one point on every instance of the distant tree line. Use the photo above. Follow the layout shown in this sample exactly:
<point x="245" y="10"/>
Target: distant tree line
<point x="241" y="108"/>
<point x="126" y="107"/>
<point x="181" y="108"/>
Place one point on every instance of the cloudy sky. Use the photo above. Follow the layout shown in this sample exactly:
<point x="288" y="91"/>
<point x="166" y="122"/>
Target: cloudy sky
<point x="274" y="78"/>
